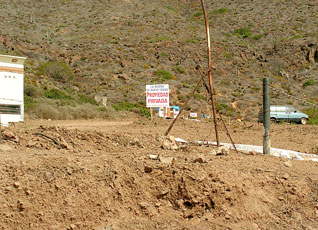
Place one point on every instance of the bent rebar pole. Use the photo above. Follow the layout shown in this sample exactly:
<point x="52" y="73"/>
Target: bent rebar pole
<point x="209" y="71"/>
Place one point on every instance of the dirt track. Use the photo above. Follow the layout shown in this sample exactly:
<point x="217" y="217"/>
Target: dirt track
<point x="103" y="178"/>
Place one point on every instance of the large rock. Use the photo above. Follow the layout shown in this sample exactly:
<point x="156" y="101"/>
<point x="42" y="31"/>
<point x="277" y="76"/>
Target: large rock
<point x="200" y="159"/>
<point x="288" y="164"/>
<point x="166" y="160"/>
<point x="169" y="143"/>
<point x="148" y="169"/>
<point x="222" y="150"/>
<point x="166" y="145"/>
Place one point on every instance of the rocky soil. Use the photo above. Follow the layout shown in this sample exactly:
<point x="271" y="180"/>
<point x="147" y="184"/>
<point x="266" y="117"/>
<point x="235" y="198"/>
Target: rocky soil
<point x="118" y="175"/>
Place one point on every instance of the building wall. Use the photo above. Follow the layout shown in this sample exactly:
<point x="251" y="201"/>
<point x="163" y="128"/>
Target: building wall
<point x="12" y="86"/>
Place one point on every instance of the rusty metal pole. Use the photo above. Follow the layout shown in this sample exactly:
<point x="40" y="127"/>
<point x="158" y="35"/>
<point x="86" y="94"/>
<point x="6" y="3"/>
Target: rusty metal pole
<point x="209" y="70"/>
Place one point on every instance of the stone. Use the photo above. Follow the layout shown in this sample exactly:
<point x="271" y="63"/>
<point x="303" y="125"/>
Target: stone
<point x="20" y="206"/>
<point x="143" y="205"/>
<point x="166" y="145"/>
<point x="69" y="171"/>
<point x="281" y="198"/>
<point x="255" y="226"/>
<point x="252" y="153"/>
<point x="31" y="144"/>
<point x="148" y="169"/>
<point x="16" y="184"/>
<point x="153" y="157"/>
<point x="160" y="139"/>
<point x="66" y="145"/>
<point x="164" y="192"/>
<point x="285" y="176"/>
<point x="57" y="187"/>
<point x="174" y="146"/>
<point x="288" y="164"/>
<point x="137" y="142"/>
<point x="48" y="177"/>
<point x="10" y="135"/>
<point x="72" y="226"/>
<point x="172" y="139"/>
<point x="200" y="159"/>
<point x="222" y="150"/>
<point x="8" y="189"/>
<point x="166" y="160"/>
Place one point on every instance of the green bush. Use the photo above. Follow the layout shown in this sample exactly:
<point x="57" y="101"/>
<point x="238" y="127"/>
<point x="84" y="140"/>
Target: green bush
<point x="160" y="39"/>
<point x="308" y="83"/>
<point x="199" y="96"/>
<point x="164" y="54"/>
<point x="186" y="84"/>
<point x="56" y="94"/>
<point x="220" y="11"/>
<point x="179" y="69"/>
<point x="227" y="56"/>
<point x="198" y="14"/>
<point x="133" y="107"/>
<point x="165" y="75"/>
<point x="87" y="99"/>
<point x="243" y="32"/>
<point x="56" y="70"/>
<point x="29" y="102"/>
<point x="257" y="37"/>
<point x="226" y="110"/>
<point x="31" y="91"/>
<point x="171" y="8"/>
<point x="181" y="98"/>
<point x="193" y="41"/>
<point x="313" y="116"/>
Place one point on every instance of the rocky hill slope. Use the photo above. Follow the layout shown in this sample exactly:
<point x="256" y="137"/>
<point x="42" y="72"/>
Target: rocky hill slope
<point x="79" y="49"/>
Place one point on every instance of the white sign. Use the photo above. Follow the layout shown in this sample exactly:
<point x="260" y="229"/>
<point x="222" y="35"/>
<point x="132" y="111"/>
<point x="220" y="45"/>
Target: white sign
<point x="193" y="115"/>
<point x="157" y="95"/>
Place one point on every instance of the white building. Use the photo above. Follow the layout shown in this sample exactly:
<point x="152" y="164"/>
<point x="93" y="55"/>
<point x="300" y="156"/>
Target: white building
<point x="11" y="89"/>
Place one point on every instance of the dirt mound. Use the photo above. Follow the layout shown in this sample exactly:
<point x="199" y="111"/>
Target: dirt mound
<point x="47" y="138"/>
<point x="132" y="183"/>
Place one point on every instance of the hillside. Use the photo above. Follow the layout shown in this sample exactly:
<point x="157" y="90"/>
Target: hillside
<point x="79" y="49"/>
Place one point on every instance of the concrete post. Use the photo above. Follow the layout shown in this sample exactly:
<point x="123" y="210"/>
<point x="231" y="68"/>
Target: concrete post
<point x="266" y="117"/>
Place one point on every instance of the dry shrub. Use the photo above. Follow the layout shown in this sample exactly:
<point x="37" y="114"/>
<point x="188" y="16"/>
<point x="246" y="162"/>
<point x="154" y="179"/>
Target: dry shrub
<point x="56" y="70"/>
<point x="45" y="111"/>
<point x="84" y="111"/>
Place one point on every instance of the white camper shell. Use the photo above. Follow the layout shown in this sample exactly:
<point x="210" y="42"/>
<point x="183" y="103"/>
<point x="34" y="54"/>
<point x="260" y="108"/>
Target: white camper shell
<point x="11" y="89"/>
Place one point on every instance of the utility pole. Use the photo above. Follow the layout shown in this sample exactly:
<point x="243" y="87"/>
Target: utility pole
<point x="207" y="27"/>
<point x="266" y="117"/>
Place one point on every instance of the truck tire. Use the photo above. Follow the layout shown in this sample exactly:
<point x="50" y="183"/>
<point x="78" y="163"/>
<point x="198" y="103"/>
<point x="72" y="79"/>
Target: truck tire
<point x="273" y="120"/>
<point x="303" y="121"/>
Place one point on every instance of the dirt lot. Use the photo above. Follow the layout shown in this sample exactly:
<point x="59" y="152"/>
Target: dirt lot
<point x="102" y="175"/>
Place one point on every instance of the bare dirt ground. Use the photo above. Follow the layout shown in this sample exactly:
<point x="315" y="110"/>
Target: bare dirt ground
<point x="99" y="175"/>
